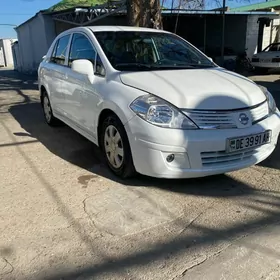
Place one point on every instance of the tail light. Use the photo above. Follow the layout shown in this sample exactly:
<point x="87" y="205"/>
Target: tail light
<point x="276" y="59"/>
<point x="255" y="59"/>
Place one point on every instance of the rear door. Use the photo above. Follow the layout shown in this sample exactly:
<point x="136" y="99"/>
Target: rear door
<point x="56" y="73"/>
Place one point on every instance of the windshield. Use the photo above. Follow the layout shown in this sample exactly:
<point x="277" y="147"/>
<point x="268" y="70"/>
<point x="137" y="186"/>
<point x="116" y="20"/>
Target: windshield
<point x="142" y="51"/>
<point x="275" y="47"/>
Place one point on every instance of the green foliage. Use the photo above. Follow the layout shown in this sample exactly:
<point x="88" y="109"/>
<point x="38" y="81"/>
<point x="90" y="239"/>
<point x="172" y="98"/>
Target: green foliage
<point x="67" y="4"/>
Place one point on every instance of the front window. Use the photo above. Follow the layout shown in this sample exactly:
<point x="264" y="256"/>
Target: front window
<point x="81" y="48"/>
<point x="138" y="51"/>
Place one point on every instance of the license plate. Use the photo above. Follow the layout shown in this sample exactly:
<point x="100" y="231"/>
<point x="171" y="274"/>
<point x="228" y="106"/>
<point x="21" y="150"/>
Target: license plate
<point x="247" y="142"/>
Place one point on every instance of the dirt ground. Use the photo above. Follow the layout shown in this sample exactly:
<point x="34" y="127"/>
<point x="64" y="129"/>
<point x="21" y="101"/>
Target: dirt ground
<point x="63" y="215"/>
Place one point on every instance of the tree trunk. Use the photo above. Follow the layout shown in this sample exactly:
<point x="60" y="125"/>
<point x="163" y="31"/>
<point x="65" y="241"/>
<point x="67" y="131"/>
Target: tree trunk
<point x="144" y="13"/>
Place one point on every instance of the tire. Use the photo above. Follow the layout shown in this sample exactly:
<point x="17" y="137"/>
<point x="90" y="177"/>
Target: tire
<point x="116" y="148"/>
<point x="47" y="109"/>
<point x="261" y="70"/>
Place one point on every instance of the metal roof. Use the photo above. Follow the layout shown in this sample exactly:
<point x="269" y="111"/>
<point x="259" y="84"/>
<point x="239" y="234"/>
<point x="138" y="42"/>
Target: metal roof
<point x="260" y="6"/>
<point x="81" y="16"/>
<point x="67" y="4"/>
<point x="97" y="28"/>
<point x="211" y="12"/>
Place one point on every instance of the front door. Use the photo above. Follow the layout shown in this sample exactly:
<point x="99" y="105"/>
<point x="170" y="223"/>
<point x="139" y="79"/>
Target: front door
<point x="81" y="95"/>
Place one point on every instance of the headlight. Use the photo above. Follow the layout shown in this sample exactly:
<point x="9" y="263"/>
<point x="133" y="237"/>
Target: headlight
<point x="270" y="99"/>
<point x="160" y="113"/>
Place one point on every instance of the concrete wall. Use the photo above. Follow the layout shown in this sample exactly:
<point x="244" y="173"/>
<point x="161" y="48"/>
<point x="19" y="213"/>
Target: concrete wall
<point x="252" y="35"/>
<point x="6" y="52"/>
<point x="34" y="39"/>
<point x="16" y="56"/>
<point x="270" y="34"/>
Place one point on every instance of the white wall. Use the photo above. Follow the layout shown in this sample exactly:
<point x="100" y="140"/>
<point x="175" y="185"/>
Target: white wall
<point x="34" y="37"/>
<point x="252" y="35"/>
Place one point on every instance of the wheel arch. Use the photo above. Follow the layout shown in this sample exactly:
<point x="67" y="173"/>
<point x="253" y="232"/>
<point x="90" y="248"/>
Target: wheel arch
<point x="42" y="90"/>
<point x="102" y="116"/>
<point x="111" y="110"/>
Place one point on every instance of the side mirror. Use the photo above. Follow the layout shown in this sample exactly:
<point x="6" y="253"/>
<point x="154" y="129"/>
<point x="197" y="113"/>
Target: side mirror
<point x="210" y="58"/>
<point x="44" y="57"/>
<point x="83" y="66"/>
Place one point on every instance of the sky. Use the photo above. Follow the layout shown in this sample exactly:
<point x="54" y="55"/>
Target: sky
<point x="18" y="11"/>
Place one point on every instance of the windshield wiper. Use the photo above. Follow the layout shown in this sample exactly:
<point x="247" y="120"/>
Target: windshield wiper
<point x="174" y="66"/>
<point x="134" y="65"/>
<point x="143" y="66"/>
<point x="203" y="65"/>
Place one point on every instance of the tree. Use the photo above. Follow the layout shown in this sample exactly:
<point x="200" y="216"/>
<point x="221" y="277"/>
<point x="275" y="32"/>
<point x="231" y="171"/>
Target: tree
<point x="144" y="13"/>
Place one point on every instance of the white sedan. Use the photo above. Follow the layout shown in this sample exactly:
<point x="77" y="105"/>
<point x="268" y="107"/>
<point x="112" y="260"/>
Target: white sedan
<point x="267" y="59"/>
<point x="155" y="104"/>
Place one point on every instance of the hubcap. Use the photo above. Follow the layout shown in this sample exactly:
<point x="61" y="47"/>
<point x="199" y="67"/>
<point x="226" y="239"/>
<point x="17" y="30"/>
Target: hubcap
<point x="113" y="146"/>
<point x="47" y="109"/>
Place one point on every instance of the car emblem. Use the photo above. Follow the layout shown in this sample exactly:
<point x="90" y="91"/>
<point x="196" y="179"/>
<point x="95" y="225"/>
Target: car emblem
<point x="243" y="118"/>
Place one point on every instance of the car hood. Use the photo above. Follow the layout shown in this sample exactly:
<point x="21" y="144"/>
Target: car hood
<point x="205" y="89"/>
<point x="267" y="54"/>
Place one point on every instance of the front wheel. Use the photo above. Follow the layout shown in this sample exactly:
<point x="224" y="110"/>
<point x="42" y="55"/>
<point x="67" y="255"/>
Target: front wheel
<point x="49" y="117"/>
<point x="116" y="147"/>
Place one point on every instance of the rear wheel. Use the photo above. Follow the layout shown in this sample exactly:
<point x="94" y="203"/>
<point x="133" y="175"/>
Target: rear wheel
<point x="49" y="117"/>
<point x="116" y="147"/>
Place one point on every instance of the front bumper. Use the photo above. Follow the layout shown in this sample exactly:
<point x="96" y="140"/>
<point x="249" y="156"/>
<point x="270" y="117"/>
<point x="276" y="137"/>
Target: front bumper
<point x="197" y="153"/>
<point x="266" y="64"/>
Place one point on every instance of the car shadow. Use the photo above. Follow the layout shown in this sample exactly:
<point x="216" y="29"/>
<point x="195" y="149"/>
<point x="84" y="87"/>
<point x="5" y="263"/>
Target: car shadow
<point x="274" y="87"/>
<point x="11" y="79"/>
<point x="74" y="148"/>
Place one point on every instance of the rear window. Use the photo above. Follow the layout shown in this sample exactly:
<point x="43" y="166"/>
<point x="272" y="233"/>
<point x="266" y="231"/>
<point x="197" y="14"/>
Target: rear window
<point x="60" y="49"/>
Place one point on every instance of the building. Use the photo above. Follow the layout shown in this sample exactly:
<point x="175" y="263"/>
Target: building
<point x="6" y="55"/>
<point x="268" y="6"/>
<point x="201" y="28"/>
<point x="269" y="29"/>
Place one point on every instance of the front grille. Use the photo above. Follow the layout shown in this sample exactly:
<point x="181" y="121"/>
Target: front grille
<point x="212" y="119"/>
<point x="226" y="119"/>
<point x="221" y="158"/>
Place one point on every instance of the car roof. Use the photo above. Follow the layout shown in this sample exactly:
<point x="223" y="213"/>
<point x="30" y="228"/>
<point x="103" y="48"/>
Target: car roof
<point x="123" y="28"/>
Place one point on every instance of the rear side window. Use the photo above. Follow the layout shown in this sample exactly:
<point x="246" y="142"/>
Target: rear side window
<point x="60" y="49"/>
<point x="81" y="48"/>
